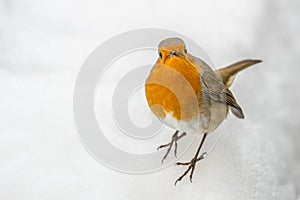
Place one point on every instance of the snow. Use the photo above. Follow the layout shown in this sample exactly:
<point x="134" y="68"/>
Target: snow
<point x="42" y="47"/>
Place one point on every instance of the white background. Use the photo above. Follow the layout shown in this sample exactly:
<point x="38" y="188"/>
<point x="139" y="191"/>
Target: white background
<point x="42" y="47"/>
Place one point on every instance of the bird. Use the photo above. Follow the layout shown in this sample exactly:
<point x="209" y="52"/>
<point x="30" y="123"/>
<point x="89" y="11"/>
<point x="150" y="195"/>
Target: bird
<point x="186" y="94"/>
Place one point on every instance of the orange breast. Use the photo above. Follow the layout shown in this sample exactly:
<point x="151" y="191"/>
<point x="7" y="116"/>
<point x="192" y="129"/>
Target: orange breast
<point x="174" y="87"/>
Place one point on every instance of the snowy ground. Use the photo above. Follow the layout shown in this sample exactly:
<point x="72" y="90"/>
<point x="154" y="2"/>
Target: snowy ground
<point x="42" y="46"/>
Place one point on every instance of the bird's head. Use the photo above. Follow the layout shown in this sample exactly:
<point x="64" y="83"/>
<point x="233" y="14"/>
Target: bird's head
<point x="171" y="47"/>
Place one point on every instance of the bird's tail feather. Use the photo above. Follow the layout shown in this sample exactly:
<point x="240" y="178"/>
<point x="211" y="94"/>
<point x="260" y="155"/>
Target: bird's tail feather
<point x="228" y="73"/>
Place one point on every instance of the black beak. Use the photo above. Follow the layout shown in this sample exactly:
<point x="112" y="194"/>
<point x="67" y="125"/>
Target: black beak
<point x="173" y="53"/>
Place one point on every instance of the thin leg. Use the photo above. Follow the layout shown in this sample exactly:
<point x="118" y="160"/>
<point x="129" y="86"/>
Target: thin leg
<point x="174" y="139"/>
<point x="192" y="163"/>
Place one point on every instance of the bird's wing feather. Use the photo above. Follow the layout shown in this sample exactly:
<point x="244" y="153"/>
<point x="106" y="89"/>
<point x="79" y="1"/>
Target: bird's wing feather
<point x="213" y="83"/>
<point x="233" y="105"/>
<point x="216" y="91"/>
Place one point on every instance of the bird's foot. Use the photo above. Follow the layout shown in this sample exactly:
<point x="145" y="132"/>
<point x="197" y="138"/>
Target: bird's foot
<point x="191" y="167"/>
<point x="174" y="140"/>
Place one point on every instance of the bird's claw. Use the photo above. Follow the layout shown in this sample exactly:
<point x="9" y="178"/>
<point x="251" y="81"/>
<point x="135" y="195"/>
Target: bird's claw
<point x="174" y="140"/>
<point x="191" y="166"/>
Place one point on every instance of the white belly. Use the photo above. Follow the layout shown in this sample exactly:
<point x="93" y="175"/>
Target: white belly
<point x="202" y="123"/>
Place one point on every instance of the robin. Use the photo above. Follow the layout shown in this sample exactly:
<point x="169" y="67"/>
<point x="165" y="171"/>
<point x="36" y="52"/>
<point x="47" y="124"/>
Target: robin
<point x="188" y="96"/>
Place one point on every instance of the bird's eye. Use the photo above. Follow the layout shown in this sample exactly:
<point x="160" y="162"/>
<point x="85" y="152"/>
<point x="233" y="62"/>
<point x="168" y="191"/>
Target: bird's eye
<point x="185" y="51"/>
<point x="160" y="55"/>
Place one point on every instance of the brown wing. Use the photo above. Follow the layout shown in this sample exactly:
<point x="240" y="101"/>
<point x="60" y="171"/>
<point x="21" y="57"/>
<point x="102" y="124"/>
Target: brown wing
<point x="212" y="81"/>
<point x="213" y="96"/>
<point x="216" y="92"/>
<point x="233" y="105"/>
